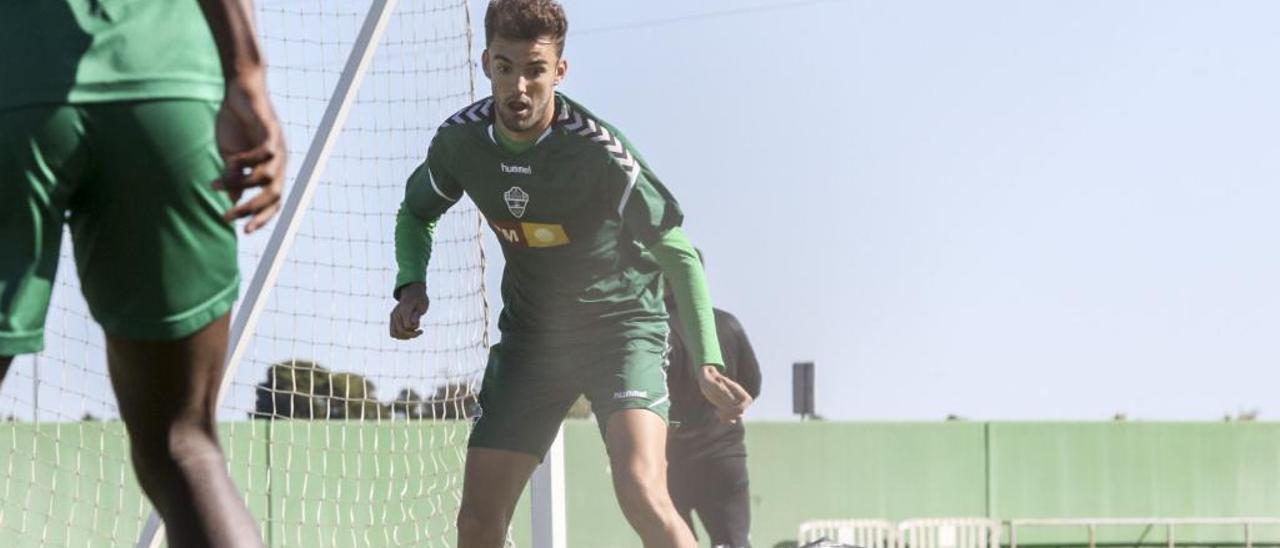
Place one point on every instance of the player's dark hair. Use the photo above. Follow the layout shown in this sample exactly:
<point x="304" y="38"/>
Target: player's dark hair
<point x="526" y="20"/>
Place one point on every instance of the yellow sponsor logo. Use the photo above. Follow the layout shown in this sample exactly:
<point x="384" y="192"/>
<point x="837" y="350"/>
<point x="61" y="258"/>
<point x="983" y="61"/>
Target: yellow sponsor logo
<point x="544" y="235"/>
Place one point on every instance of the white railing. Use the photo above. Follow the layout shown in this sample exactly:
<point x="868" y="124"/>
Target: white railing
<point x="866" y="533"/>
<point x="1169" y="524"/>
<point x="985" y="533"/>
<point x="949" y="533"/>
<point x="916" y="533"/>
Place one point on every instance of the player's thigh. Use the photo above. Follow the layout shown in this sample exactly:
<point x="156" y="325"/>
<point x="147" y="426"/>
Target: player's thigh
<point x="725" y="504"/>
<point x="162" y="383"/>
<point x="156" y="259"/>
<point x="42" y="159"/>
<point x="522" y="402"/>
<point x="628" y="391"/>
<point x="632" y="376"/>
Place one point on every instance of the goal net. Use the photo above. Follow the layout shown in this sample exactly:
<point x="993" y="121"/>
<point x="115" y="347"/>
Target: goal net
<point x="336" y="434"/>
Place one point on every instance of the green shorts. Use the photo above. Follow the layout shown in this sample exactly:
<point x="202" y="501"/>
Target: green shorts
<point x="132" y="179"/>
<point x="526" y="393"/>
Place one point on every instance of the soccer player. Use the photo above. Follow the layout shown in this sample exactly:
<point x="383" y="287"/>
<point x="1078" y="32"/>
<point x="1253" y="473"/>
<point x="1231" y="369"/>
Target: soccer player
<point x="707" y="470"/>
<point x="589" y="234"/>
<point x="120" y="119"/>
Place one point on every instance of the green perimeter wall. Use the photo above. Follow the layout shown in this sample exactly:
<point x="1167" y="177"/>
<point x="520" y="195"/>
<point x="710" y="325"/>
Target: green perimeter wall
<point x="303" y="476"/>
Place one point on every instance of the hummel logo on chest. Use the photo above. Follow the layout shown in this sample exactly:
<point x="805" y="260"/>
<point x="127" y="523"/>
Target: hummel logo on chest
<point x="519" y="170"/>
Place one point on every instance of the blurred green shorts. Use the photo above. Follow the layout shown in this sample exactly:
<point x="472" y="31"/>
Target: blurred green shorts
<point x="132" y="180"/>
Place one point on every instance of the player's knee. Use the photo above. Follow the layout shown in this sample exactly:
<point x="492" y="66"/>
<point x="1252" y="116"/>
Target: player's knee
<point x="182" y="444"/>
<point x="641" y="485"/>
<point x="641" y="473"/>
<point x="477" y="528"/>
<point x="192" y="441"/>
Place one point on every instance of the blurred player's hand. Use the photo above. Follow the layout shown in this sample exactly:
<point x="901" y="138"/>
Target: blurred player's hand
<point x="730" y="399"/>
<point x="406" y="317"/>
<point x="252" y="146"/>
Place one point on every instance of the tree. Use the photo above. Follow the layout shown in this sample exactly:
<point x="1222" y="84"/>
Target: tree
<point x="351" y="396"/>
<point x="294" y="389"/>
<point x="1244" y="415"/>
<point x="453" y="400"/>
<point x="409" y="405"/>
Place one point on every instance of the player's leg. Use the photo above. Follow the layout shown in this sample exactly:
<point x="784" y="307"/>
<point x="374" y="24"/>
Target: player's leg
<point x="4" y="366"/>
<point x="491" y="487"/>
<point x="725" y="511"/>
<point x="682" y="485"/>
<point x="637" y="444"/>
<point x="628" y="392"/>
<point x="522" y="402"/>
<point x="167" y="392"/>
<point x="158" y="269"/>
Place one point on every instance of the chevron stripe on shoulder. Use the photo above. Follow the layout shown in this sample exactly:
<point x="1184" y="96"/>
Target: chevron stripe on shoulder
<point x="575" y="121"/>
<point x="475" y="112"/>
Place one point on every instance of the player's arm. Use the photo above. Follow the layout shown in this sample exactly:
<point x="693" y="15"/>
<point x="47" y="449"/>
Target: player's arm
<point x="653" y="217"/>
<point x="682" y="269"/>
<point x="249" y="136"/>
<point x="428" y="194"/>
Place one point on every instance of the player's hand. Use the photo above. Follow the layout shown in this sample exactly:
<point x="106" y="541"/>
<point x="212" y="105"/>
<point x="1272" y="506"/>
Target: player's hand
<point x="253" y="150"/>
<point x="406" y="317"/>
<point x="729" y="398"/>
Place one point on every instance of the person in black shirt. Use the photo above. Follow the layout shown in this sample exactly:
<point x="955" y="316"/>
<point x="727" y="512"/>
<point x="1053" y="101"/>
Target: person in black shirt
<point x="707" y="456"/>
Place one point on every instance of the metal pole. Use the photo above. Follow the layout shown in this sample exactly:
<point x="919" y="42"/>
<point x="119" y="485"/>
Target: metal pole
<point x="255" y="299"/>
<point x="35" y="388"/>
<point x="335" y="116"/>
<point x="547" y="495"/>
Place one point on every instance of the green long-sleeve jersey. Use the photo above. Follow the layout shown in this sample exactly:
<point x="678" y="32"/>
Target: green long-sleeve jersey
<point x="586" y="228"/>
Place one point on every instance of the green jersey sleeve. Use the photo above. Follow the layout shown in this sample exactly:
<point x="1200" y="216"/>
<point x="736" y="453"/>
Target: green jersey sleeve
<point x="429" y="192"/>
<point x="683" y="270"/>
<point x="431" y="189"/>
<point x="647" y="209"/>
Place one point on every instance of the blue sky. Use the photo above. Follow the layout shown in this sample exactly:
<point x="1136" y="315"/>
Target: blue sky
<point x="1003" y="210"/>
<point x="997" y="209"/>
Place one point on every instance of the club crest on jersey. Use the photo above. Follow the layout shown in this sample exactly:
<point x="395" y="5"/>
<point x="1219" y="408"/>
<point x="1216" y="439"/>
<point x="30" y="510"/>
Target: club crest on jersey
<point x="516" y="199"/>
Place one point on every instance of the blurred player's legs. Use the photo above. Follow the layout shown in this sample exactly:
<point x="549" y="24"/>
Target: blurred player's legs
<point x="492" y="486"/>
<point x="718" y="490"/>
<point x="167" y="391"/>
<point x="636" y="441"/>
<point x="157" y="267"/>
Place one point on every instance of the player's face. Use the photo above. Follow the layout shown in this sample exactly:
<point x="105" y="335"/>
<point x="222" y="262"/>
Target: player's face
<point x="524" y="75"/>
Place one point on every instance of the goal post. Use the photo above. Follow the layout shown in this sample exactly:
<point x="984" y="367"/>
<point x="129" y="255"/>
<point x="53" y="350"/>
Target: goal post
<point x="335" y="433"/>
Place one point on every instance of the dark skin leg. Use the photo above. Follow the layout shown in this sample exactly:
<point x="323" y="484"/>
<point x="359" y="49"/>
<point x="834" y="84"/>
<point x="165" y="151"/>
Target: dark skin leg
<point x="167" y="392"/>
<point x="492" y="486"/>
